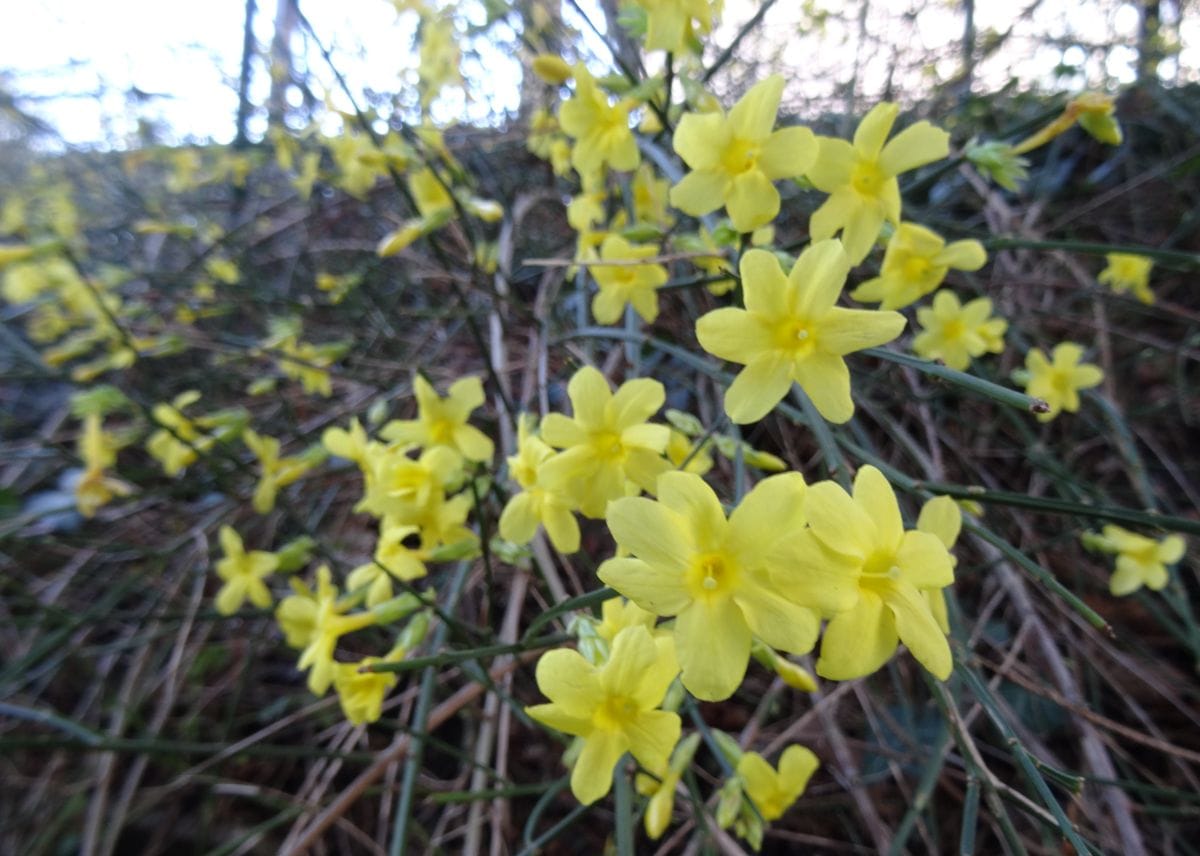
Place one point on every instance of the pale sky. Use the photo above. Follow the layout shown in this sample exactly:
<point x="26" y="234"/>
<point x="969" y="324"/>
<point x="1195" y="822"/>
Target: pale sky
<point x="71" y="50"/>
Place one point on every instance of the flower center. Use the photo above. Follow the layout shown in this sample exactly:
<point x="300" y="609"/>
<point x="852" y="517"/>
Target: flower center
<point x="953" y="329"/>
<point x="614" y="713"/>
<point x="739" y="156"/>
<point x="915" y="268"/>
<point x="797" y="337"/>
<point x="881" y="563"/>
<point x="711" y="575"/>
<point x="608" y="445"/>
<point x="442" y="431"/>
<point x="867" y="178"/>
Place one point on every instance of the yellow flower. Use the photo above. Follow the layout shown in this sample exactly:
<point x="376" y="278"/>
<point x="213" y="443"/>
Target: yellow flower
<point x="98" y="451"/>
<point x="275" y="472"/>
<point x="600" y="130"/>
<point x="650" y="197"/>
<point x="881" y="570"/>
<point x="710" y="573"/>
<point x="243" y="574"/>
<point x="443" y="421"/>
<point x="351" y="444"/>
<point x="790" y="331"/>
<point x="360" y="693"/>
<point x="400" y="552"/>
<point x="328" y="624"/>
<point x="406" y="489"/>
<point x="955" y="333"/>
<point x="861" y="177"/>
<point x="914" y="264"/>
<point x="670" y="21"/>
<point x="536" y="505"/>
<point x="1141" y="561"/>
<point x="1095" y="113"/>
<point x="774" y="792"/>
<point x="607" y="443"/>
<point x="735" y="158"/>
<point x="612" y="707"/>
<point x="1128" y="272"/>
<point x="681" y="449"/>
<point x="177" y="444"/>
<point x="622" y="284"/>
<point x="1058" y="383"/>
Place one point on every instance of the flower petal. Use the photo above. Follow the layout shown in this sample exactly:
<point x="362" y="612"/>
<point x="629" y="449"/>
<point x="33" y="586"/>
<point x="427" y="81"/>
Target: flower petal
<point x="589" y="393"/>
<point x="764" y="284"/>
<point x="752" y="201"/>
<point x="555" y="717"/>
<point x="652" y="735"/>
<point x="653" y="682"/>
<point x="917" y="628"/>
<point x="833" y="166"/>
<point x="818" y="277"/>
<point x="915" y="146"/>
<point x="774" y="618"/>
<point x="633" y="652"/>
<point x="788" y="152"/>
<point x="941" y="517"/>
<point x="593" y="773"/>
<point x="635" y="402"/>
<point x="652" y="532"/>
<point x="813" y="576"/>
<point x="694" y="501"/>
<point x="753" y="116"/>
<point x="712" y="641"/>
<point x="658" y="591"/>
<point x="838" y="521"/>
<point x="699" y="140"/>
<point x="700" y="192"/>
<point x="758" y="387"/>
<point x="733" y="334"/>
<point x="862" y="228"/>
<point x="874" y="495"/>
<point x="874" y="129"/>
<point x="844" y="331"/>
<point x="570" y="681"/>
<point x="924" y="561"/>
<point x="826" y="380"/>
<point x="858" y="641"/>
<point x="771" y="511"/>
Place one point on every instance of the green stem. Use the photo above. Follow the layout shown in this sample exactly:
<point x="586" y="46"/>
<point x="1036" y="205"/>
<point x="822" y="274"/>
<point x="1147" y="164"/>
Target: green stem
<point x="1176" y="259"/>
<point x="997" y="393"/>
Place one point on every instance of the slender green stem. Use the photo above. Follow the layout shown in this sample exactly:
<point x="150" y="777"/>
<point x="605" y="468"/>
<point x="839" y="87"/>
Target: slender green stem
<point x="994" y="391"/>
<point x="624" y="808"/>
<point x="449" y="658"/>
<point x="1176" y="259"/>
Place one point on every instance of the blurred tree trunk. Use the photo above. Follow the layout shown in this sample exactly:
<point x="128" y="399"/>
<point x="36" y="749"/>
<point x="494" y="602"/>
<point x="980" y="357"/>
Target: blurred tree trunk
<point x="968" y="50"/>
<point x="282" y="67"/>
<point x="624" y="49"/>
<point x="1149" y="44"/>
<point x="241" y="138"/>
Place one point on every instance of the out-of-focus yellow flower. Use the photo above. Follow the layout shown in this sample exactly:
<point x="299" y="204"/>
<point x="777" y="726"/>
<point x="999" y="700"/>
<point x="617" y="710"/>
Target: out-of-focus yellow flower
<point x="600" y="130"/>
<point x="178" y="442"/>
<point x="670" y="22"/>
<point x="661" y="790"/>
<point x="622" y="284"/>
<point x="98" y="451"/>
<point x="1128" y="272"/>
<point x="536" y="504"/>
<point x="327" y="622"/>
<point x="691" y="457"/>
<point x="1141" y="561"/>
<point x="243" y="574"/>
<point x="860" y="178"/>
<point x="443" y="421"/>
<point x="914" y="264"/>
<point x="274" y="472"/>
<point x="1094" y="111"/>
<point x="552" y="69"/>
<point x="360" y="693"/>
<point x="735" y="158"/>
<point x="1058" y="383"/>
<point x="942" y="518"/>
<point x="774" y="792"/>
<point x="955" y="333"/>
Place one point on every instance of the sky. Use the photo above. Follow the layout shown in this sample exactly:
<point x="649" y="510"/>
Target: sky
<point x="78" y="58"/>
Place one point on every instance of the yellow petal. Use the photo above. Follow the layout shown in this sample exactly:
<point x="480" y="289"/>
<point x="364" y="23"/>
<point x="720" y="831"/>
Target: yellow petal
<point x="844" y="331"/>
<point x="758" y="387"/>
<point x="915" y="146"/>
<point x="775" y="619"/>
<point x="812" y="575"/>
<point x="941" y="517"/>
<point x="712" y="641"/>
<point x="875" y="496"/>
<point x="788" y="152"/>
<point x="771" y="511"/>
<point x="652" y="735"/>
<point x="838" y="521"/>
<point x="963" y="255"/>
<point x="874" y="129"/>
<point x="636" y="401"/>
<point x="916" y="627"/>
<point x="858" y="641"/>
<point x="818" y="277"/>
<point x="733" y="334"/>
<point x="753" y="117"/>
<point x="519" y="520"/>
<point x="692" y="498"/>
<point x="699" y="140"/>
<point x="700" y="193"/>
<point x="826" y="380"/>
<point x="764" y="284"/>
<point x="657" y="591"/>
<point x="592" y="776"/>
<point x="924" y="561"/>
<point x="570" y="681"/>
<point x="752" y="201"/>
<point x="654" y="533"/>
<point x="833" y="166"/>
<point x="589" y="393"/>
<point x="862" y="228"/>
